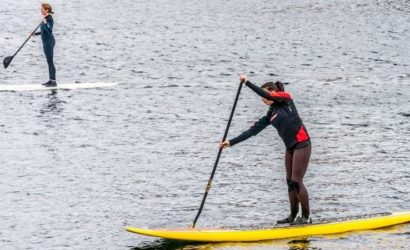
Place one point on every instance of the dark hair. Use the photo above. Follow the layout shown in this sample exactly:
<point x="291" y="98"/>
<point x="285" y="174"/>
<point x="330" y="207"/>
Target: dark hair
<point x="47" y="7"/>
<point x="277" y="86"/>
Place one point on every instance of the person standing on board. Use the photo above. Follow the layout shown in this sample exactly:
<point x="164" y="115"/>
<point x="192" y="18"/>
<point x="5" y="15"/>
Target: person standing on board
<point x="282" y="115"/>
<point x="49" y="42"/>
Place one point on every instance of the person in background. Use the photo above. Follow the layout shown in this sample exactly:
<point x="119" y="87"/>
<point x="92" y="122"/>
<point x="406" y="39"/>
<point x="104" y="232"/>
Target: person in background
<point x="47" y="37"/>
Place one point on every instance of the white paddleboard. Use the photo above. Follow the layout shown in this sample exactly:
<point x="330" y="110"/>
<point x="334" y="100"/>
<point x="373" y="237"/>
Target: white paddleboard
<point x="31" y="87"/>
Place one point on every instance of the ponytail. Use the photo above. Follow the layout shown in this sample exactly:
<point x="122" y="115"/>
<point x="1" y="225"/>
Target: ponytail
<point x="277" y="86"/>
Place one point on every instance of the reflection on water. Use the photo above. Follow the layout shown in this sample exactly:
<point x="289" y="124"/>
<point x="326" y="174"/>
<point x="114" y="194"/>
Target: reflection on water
<point x="162" y="244"/>
<point x="51" y="118"/>
<point x="300" y="244"/>
<point x="297" y="244"/>
<point x="53" y="105"/>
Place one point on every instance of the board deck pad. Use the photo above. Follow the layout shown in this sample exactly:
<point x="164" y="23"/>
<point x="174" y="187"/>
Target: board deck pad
<point x="64" y="86"/>
<point x="339" y="225"/>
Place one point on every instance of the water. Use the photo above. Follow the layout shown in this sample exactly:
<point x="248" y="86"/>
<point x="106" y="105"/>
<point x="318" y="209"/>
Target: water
<point x="79" y="165"/>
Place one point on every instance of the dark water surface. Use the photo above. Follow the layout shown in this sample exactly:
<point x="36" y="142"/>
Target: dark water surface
<point x="77" y="166"/>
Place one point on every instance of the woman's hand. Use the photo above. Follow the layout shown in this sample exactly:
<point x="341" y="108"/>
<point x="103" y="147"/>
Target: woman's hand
<point x="243" y="78"/>
<point x="224" y="144"/>
<point x="44" y="20"/>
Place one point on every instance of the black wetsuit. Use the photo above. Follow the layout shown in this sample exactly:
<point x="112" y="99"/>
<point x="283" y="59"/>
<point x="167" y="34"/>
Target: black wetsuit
<point x="283" y="116"/>
<point x="48" y="44"/>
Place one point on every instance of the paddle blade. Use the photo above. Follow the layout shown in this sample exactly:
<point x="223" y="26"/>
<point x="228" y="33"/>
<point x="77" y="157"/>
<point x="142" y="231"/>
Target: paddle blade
<point x="7" y="61"/>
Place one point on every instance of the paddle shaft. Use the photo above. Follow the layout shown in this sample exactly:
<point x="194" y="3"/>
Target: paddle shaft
<point x="28" y="38"/>
<point x="218" y="156"/>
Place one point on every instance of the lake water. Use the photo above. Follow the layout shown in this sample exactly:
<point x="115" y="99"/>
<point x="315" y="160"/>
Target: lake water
<point x="78" y="166"/>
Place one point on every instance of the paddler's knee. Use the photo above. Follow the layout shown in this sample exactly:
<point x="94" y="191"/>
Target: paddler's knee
<point x="290" y="187"/>
<point x="293" y="185"/>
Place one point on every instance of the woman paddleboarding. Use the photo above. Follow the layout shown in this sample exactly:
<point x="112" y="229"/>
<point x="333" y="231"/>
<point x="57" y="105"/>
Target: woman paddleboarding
<point x="282" y="115"/>
<point x="47" y="37"/>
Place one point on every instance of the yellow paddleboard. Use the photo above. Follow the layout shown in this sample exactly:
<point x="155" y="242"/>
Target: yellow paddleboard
<point x="225" y="235"/>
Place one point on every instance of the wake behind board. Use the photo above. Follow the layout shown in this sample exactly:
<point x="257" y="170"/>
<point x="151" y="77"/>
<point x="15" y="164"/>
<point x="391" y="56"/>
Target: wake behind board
<point x="238" y="235"/>
<point x="64" y="86"/>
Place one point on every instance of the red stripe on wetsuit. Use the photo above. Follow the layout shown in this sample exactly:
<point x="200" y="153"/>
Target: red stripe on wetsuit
<point x="282" y="117"/>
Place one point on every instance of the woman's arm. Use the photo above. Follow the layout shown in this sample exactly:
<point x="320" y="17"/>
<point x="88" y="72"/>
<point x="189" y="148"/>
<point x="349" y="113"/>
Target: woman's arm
<point x="252" y="131"/>
<point x="273" y="96"/>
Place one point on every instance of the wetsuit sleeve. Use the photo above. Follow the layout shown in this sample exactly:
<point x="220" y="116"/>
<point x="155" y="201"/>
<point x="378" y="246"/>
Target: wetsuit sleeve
<point x="48" y="27"/>
<point x="37" y="33"/>
<point x="254" y="130"/>
<point x="273" y="96"/>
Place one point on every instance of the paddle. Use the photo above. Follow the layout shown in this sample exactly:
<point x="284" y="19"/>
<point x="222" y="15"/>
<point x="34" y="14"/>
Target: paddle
<point x="8" y="59"/>
<point x="219" y="155"/>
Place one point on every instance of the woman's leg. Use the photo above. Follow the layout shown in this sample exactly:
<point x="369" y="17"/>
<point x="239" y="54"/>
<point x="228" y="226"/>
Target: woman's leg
<point x="300" y="164"/>
<point x="49" y="52"/>
<point x="293" y="198"/>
